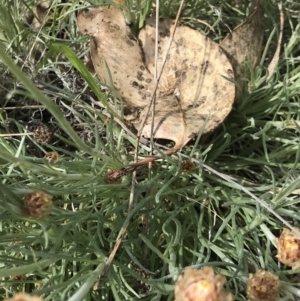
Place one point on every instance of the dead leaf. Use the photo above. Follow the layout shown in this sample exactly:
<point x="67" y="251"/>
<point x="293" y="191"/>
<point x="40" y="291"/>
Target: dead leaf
<point x="245" y="43"/>
<point x="192" y="95"/>
<point x="193" y="73"/>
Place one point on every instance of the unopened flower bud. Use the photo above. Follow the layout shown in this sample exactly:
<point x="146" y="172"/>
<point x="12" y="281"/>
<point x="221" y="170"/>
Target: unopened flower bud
<point x="187" y="166"/>
<point x="37" y="204"/>
<point x="288" y="248"/>
<point x="43" y="134"/>
<point x="263" y="286"/>
<point x="24" y="297"/>
<point x="201" y="285"/>
<point x="109" y="180"/>
<point x="52" y="157"/>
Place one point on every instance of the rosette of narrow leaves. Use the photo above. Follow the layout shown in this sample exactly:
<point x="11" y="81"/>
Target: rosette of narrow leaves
<point x="37" y="204"/>
<point x="263" y="286"/>
<point x="201" y="285"/>
<point x="288" y="248"/>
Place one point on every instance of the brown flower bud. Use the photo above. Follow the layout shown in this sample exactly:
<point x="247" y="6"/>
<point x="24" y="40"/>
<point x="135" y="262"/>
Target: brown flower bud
<point x="201" y="285"/>
<point x="288" y="248"/>
<point x="187" y="166"/>
<point x="51" y="157"/>
<point x="109" y="180"/>
<point x="19" y="278"/>
<point x="43" y="134"/>
<point x="263" y="286"/>
<point x="24" y="297"/>
<point x="37" y="204"/>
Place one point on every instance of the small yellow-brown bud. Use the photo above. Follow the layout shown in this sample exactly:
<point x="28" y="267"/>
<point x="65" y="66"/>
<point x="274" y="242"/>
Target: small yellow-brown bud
<point x="37" y="204"/>
<point x="24" y="297"/>
<point x="263" y="286"/>
<point x="52" y="157"/>
<point x="288" y="248"/>
<point x="187" y="166"/>
<point x="109" y="180"/>
<point x="201" y="285"/>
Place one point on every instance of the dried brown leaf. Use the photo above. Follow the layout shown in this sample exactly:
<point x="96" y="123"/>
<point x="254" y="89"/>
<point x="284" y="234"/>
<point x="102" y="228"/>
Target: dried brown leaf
<point x="193" y="74"/>
<point x="192" y="94"/>
<point x="245" y="43"/>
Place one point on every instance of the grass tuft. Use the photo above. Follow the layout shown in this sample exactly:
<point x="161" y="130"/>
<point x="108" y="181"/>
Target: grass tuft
<point x="179" y="218"/>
